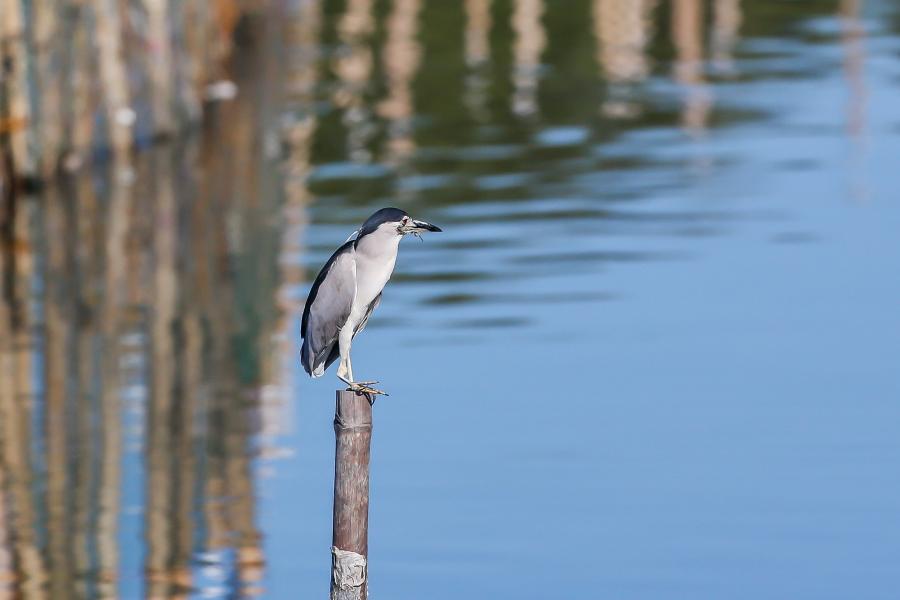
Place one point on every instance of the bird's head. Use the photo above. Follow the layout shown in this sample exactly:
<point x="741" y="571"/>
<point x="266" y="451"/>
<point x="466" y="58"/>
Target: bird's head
<point x="395" y="221"/>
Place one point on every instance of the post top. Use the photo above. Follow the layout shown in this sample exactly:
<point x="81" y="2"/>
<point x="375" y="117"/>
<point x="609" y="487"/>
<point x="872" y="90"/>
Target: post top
<point x="352" y="410"/>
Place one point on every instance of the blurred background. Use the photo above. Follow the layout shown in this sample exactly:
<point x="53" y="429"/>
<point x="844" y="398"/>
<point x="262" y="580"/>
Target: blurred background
<point x="653" y="354"/>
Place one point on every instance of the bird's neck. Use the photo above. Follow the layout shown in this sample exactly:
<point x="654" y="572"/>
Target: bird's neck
<point x="375" y="259"/>
<point x="379" y="246"/>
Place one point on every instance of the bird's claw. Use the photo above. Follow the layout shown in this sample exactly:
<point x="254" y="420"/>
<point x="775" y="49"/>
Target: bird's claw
<point x="363" y="387"/>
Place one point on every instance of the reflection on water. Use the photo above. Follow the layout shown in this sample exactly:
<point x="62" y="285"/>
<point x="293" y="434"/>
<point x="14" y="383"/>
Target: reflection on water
<point x="138" y="300"/>
<point x="148" y="319"/>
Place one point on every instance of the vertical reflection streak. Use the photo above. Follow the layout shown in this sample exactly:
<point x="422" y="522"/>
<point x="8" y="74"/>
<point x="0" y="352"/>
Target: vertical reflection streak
<point x="853" y="41"/>
<point x="45" y="29"/>
<point x="18" y="398"/>
<point x="84" y="375"/>
<point x="478" y="26"/>
<point x="7" y="402"/>
<point x="354" y="67"/>
<point x="622" y="32"/>
<point x="529" y="45"/>
<point x="113" y="75"/>
<point x="687" y="33"/>
<point x="30" y="400"/>
<point x="477" y="49"/>
<point x="402" y="56"/>
<point x="57" y="414"/>
<point x="303" y="38"/>
<point x="160" y="63"/>
<point x="114" y="312"/>
<point x="111" y="450"/>
<point x="727" y="17"/>
<point x="7" y="566"/>
<point x="18" y="57"/>
<point x="160" y="565"/>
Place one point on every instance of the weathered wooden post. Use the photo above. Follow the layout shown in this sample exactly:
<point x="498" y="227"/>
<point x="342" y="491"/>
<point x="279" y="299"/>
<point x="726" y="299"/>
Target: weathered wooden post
<point x="350" y="540"/>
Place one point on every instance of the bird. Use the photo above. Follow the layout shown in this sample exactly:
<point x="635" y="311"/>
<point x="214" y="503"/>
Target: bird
<point x="348" y="289"/>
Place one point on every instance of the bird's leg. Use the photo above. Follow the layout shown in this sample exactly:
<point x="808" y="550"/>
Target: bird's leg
<point x="345" y="369"/>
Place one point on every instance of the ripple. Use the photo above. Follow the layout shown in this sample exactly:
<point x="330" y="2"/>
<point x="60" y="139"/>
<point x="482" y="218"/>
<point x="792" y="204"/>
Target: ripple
<point x="559" y="137"/>
<point x="489" y="323"/>
<point x="592" y="256"/>
<point x="456" y="299"/>
<point x="795" y="237"/>
<point x="347" y="171"/>
<point x="504" y="181"/>
<point x="441" y="276"/>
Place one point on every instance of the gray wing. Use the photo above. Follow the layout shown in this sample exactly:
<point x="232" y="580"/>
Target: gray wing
<point x="374" y="304"/>
<point x="327" y="309"/>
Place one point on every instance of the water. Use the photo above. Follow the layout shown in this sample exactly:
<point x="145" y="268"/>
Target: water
<point x="652" y="355"/>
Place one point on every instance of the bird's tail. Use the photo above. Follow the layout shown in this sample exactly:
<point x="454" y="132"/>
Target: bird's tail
<point x="304" y="358"/>
<point x="308" y="360"/>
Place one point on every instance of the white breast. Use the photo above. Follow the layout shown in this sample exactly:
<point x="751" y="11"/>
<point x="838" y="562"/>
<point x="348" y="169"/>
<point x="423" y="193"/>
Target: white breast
<point x="375" y="257"/>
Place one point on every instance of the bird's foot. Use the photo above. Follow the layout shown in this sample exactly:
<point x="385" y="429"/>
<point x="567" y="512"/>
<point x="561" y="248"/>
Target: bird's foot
<point x="364" y="387"/>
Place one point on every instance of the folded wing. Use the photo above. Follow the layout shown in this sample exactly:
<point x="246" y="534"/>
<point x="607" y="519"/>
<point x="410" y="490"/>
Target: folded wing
<point x="327" y="310"/>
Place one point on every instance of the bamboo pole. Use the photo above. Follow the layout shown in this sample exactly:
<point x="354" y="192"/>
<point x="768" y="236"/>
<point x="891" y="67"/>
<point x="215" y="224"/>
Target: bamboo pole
<point x="350" y="541"/>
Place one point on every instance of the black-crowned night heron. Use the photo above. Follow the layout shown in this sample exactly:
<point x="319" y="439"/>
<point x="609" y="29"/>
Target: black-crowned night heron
<point x="348" y="289"/>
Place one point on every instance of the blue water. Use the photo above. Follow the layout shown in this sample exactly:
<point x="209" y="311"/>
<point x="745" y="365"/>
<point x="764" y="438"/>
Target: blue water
<point x="676" y="380"/>
<point x="652" y="355"/>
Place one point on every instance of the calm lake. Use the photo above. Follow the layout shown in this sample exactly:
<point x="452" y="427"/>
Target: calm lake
<point x="653" y="355"/>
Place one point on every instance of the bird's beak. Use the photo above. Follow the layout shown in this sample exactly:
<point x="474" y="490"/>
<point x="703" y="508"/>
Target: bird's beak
<point x="419" y="227"/>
